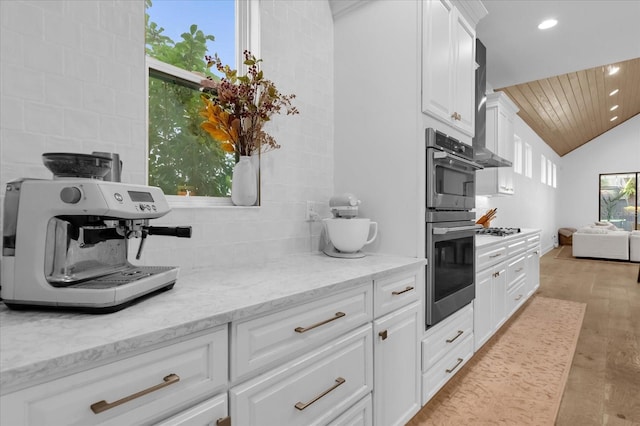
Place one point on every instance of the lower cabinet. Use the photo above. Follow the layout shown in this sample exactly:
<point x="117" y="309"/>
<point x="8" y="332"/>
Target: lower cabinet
<point x="447" y="346"/>
<point x="141" y="389"/>
<point x="490" y="304"/>
<point x="361" y="414"/>
<point x="396" y="366"/>
<point x="209" y="413"/>
<point x="310" y="390"/>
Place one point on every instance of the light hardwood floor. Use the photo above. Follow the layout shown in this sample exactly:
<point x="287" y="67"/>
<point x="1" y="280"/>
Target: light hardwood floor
<point x="604" y="382"/>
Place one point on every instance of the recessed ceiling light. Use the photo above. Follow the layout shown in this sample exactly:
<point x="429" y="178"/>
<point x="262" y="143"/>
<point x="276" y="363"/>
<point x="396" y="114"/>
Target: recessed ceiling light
<point x="613" y="69"/>
<point x="613" y="108"/>
<point x="614" y="118"/>
<point x="548" y="23"/>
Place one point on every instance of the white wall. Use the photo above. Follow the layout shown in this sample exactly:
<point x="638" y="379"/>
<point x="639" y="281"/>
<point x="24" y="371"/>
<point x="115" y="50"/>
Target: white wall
<point x="616" y="151"/>
<point x="534" y="204"/>
<point x="73" y="80"/>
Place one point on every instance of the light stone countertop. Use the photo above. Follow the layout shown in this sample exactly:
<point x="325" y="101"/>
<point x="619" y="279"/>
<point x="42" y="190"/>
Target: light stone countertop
<point x="35" y="345"/>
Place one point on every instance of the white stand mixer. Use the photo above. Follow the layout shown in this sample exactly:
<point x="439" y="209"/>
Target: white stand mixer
<point x="346" y="234"/>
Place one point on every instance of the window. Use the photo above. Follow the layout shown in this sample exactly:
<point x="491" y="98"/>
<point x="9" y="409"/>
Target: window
<point x="549" y="172"/>
<point x="528" y="161"/>
<point x="618" y="200"/>
<point x="517" y="155"/>
<point x="543" y="169"/>
<point x="183" y="160"/>
<point x="554" y="177"/>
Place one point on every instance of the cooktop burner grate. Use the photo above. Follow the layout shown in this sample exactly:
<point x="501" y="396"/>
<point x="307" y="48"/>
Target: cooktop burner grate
<point x="498" y="232"/>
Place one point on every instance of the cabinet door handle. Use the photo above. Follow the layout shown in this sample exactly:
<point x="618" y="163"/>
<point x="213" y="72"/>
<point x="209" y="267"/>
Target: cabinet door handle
<point x="450" y="370"/>
<point x="396" y="293"/>
<point x="495" y="255"/>
<point x="460" y="332"/>
<point x="383" y="334"/>
<point x="519" y="269"/>
<point x="225" y="421"/>
<point x="519" y="297"/>
<point x="456" y="116"/>
<point x="100" y="406"/>
<point x="311" y="327"/>
<point x="302" y="405"/>
<point x="496" y="274"/>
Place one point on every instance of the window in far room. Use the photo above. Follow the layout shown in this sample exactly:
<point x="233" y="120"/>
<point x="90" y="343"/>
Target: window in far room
<point x="543" y="169"/>
<point x="183" y="160"/>
<point x="528" y="160"/>
<point x="517" y="154"/>
<point x="618" y="200"/>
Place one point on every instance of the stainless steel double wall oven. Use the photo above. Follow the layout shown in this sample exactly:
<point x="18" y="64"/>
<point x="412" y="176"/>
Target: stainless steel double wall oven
<point x="450" y="225"/>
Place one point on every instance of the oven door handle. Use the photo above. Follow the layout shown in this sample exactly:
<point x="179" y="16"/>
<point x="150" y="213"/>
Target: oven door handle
<point x="442" y="231"/>
<point x="442" y="154"/>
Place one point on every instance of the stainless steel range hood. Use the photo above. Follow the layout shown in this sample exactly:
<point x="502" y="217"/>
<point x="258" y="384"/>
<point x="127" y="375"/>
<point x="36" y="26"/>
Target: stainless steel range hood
<point x="482" y="155"/>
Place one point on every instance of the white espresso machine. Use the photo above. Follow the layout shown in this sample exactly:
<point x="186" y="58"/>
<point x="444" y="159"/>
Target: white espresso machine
<point x="65" y="241"/>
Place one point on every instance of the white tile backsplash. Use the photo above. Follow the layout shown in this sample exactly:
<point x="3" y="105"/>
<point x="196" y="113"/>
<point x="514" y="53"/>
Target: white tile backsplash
<point x="73" y="79"/>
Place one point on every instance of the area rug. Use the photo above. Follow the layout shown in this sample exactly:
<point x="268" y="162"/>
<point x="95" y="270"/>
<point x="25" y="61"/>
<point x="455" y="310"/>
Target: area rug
<point x="518" y="377"/>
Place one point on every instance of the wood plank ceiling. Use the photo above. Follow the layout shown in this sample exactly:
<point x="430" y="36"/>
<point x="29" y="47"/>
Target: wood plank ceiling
<point x="569" y="110"/>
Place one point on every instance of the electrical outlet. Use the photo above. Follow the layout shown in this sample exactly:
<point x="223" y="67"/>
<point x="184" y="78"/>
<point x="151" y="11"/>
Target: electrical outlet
<point x="311" y="215"/>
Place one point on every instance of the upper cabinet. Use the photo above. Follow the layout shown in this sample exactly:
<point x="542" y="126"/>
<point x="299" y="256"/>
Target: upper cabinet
<point x="500" y="138"/>
<point x="448" y="66"/>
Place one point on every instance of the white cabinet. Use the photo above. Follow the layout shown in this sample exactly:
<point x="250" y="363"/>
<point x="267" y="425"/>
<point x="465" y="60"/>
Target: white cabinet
<point x="310" y="390"/>
<point x="397" y="366"/>
<point x="212" y="412"/>
<point x="507" y="274"/>
<point x="501" y="113"/>
<point x="396" y="332"/>
<point x="137" y="390"/>
<point x="533" y="264"/>
<point x="448" y="66"/>
<point x="446" y="347"/>
<point x="269" y="340"/>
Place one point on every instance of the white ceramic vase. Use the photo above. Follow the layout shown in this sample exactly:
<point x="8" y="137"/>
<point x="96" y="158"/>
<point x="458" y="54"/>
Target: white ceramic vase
<point x="244" y="183"/>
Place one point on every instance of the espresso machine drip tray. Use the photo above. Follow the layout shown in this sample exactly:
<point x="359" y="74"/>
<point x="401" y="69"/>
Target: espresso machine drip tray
<point x="123" y="277"/>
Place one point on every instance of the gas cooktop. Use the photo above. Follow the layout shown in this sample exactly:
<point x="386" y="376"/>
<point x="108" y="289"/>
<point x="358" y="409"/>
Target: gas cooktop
<point x="497" y="232"/>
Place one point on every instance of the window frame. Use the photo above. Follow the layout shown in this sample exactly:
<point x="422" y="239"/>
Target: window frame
<point x="247" y="37"/>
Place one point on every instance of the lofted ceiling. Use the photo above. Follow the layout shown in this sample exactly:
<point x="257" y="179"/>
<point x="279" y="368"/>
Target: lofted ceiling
<point x="559" y="77"/>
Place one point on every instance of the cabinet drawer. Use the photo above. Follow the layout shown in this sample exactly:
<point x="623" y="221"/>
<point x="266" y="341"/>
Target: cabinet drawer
<point x="516" y="270"/>
<point x="261" y="342"/>
<point x="445" y="336"/>
<point x="516" y="296"/>
<point x="533" y="242"/>
<point x="173" y="375"/>
<point x="446" y="368"/>
<point x="212" y="412"/>
<point x="490" y="256"/>
<point x="361" y="414"/>
<point x="515" y="247"/>
<point x="394" y="292"/>
<point x="310" y="390"/>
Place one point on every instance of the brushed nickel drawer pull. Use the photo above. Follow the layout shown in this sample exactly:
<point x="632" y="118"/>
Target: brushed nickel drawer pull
<point x="100" y="406"/>
<point x="495" y="255"/>
<point x="449" y="370"/>
<point x="519" y="297"/>
<point x="383" y="334"/>
<point x="224" y="421"/>
<point x="460" y="332"/>
<point x="311" y="327"/>
<point x="519" y="269"/>
<point x="302" y="405"/>
<point x="395" y="293"/>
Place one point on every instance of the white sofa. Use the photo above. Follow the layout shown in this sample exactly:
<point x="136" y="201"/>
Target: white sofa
<point x="634" y="246"/>
<point x="601" y="240"/>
